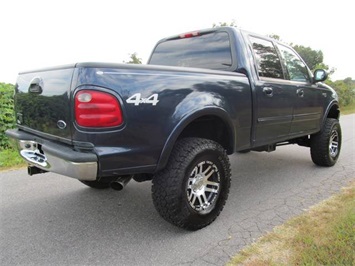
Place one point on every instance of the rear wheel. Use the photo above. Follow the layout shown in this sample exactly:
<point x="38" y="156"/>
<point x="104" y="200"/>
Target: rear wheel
<point x="326" y="144"/>
<point x="192" y="190"/>
<point x="96" y="184"/>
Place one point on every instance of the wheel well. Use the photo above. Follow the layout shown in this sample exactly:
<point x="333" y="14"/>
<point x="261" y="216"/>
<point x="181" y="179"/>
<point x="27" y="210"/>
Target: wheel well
<point x="213" y="128"/>
<point x="334" y="112"/>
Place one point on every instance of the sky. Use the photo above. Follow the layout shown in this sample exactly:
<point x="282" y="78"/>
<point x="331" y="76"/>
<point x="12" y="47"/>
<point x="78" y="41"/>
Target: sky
<point x="38" y="34"/>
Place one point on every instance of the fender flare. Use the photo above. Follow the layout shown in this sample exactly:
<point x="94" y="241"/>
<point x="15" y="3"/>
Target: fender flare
<point x="326" y="113"/>
<point x="183" y="123"/>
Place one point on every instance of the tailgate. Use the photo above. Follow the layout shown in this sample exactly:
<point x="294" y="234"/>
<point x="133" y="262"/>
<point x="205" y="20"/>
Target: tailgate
<point x="42" y="101"/>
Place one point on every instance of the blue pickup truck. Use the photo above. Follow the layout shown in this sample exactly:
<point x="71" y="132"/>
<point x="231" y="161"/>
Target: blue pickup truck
<point x="203" y="96"/>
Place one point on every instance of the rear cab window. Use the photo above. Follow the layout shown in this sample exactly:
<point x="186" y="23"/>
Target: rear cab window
<point x="185" y="51"/>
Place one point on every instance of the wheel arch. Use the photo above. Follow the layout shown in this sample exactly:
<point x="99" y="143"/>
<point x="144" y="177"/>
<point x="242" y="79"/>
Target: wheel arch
<point x="195" y="125"/>
<point x="332" y="111"/>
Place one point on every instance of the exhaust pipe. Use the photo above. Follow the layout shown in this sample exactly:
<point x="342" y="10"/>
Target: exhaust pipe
<point x="120" y="182"/>
<point x="33" y="170"/>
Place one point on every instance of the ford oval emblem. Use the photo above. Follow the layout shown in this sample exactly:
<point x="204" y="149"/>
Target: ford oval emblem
<point x="61" y="124"/>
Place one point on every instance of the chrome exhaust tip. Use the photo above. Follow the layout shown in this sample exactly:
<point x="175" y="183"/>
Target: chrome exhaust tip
<point x="120" y="183"/>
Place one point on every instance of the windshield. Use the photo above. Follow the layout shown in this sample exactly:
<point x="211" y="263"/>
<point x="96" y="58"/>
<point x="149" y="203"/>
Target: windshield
<point x="211" y="51"/>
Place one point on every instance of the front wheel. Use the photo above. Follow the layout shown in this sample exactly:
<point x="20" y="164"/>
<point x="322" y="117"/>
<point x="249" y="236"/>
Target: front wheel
<point x="193" y="188"/>
<point x="326" y="144"/>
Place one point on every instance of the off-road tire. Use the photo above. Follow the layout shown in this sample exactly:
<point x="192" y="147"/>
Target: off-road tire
<point x="96" y="184"/>
<point x="326" y="144"/>
<point x="195" y="165"/>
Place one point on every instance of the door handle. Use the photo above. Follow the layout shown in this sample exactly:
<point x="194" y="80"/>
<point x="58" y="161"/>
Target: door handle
<point x="300" y="92"/>
<point x="268" y="91"/>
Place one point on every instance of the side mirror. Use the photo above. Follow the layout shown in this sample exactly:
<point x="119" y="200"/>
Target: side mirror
<point x="320" y="75"/>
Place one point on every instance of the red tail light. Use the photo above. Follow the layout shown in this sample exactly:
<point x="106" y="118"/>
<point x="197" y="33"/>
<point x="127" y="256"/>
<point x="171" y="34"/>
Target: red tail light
<point x="97" y="109"/>
<point x="189" y="34"/>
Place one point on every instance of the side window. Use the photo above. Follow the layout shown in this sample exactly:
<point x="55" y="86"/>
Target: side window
<point x="296" y="69"/>
<point x="267" y="59"/>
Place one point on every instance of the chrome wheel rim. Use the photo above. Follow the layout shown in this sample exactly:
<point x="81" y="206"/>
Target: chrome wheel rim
<point x="334" y="143"/>
<point x="203" y="187"/>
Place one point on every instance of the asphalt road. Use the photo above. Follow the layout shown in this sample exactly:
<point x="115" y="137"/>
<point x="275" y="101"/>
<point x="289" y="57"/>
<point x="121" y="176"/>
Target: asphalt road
<point x="54" y="220"/>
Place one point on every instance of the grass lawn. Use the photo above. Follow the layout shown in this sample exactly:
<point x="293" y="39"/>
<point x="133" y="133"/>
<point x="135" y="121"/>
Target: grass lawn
<point x="10" y="159"/>
<point x="350" y="109"/>
<point x="325" y="235"/>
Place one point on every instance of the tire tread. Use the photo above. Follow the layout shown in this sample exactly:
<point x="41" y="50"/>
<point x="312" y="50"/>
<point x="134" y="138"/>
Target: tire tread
<point x="320" y="144"/>
<point x="166" y="183"/>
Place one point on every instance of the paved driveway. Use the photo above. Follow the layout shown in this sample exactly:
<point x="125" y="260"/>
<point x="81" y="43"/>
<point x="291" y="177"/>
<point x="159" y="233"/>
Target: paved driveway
<point x="54" y="220"/>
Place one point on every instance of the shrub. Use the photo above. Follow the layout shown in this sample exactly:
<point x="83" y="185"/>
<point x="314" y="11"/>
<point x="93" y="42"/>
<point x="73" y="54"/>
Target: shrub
<point x="7" y="118"/>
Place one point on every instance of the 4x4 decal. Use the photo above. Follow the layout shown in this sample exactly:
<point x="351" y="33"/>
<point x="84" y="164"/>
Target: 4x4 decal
<point x="137" y="99"/>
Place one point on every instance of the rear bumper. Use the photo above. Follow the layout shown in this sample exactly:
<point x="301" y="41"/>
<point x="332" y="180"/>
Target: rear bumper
<point x="54" y="157"/>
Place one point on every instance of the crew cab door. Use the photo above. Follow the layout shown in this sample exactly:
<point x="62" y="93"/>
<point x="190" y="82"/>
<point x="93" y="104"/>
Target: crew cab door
<point x="273" y="97"/>
<point x="309" y="100"/>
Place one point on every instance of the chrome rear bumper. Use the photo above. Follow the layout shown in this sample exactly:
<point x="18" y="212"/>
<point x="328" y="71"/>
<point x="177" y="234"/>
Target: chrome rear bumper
<point x="54" y="157"/>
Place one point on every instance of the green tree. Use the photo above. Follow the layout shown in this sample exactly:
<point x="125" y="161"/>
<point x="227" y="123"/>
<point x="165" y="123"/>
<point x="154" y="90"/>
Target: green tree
<point x="134" y="59"/>
<point x="7" y="119"/>
<point x="313" y="58"/>
<point x="345" y="89"/>
<point x="275" y="36"/>
<point x="233" y="23"/>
